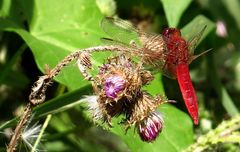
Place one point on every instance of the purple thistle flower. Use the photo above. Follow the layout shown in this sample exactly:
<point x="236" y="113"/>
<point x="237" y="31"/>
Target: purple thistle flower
<point x="150" y="127"/>
<point x="113" y="85"/>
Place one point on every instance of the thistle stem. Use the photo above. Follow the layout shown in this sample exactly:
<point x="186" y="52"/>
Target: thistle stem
<point x="17" y="132"/>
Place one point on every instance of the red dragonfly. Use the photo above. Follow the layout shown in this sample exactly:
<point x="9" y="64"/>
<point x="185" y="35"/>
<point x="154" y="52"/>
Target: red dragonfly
<point x="169" y="52"/>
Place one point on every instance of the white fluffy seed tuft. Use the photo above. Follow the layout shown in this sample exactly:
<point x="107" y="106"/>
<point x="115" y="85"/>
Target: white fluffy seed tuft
<point x="30" y="135"/>
<point x="93" y="107"/>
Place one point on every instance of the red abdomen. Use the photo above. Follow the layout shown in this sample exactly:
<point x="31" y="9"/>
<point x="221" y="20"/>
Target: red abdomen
<point x="187" y="90"/>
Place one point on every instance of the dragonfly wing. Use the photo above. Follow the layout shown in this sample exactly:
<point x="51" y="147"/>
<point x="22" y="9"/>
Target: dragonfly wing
<point x="110" y="41"/>
<point x="195" y="40"/>
<point x="130" y="48"/>
<point x="121" y="31"/>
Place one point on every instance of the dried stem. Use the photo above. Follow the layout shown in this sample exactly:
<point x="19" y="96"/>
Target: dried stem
<point x="17" y="132"/>
<point x="37" y="95"/>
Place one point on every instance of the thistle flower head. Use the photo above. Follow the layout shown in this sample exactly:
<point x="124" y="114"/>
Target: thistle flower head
<point x="118" y="89"/>
<point x="150" y="127"/>
<point x="113" y="85"/>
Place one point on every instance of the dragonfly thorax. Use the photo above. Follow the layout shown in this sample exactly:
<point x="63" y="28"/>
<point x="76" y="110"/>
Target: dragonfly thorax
<point x="177" y="50"/>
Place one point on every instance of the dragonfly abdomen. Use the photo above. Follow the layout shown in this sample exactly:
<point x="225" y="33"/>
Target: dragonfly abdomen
<point x="187" y="90"/>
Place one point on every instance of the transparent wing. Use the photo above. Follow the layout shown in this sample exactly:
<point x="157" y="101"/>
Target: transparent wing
<point x="109" y="41"/>
<point x="148" y="46"/>
<point x="121" y="31"/>
<point x="195" y="40"/>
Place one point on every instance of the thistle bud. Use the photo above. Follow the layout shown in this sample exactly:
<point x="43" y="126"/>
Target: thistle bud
<point x="114" y="85"/>
<point x="150" y="127"/>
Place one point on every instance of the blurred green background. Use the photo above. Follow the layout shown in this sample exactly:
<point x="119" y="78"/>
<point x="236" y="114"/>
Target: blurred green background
<point x="35" y="33"/>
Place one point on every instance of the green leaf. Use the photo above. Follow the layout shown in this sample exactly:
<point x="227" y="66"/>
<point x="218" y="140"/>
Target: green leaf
<point x="10" y="10"/>
<point x="177" y="133"/>
<point x="196" y="31"/>
<point x="156" y="86"/>
<point x="221" y="91"/>
<point x="196" y="25"/>
<point x="5" y="71"/>
<point x="54" y="33"/>
<point x="174" y="10"/>
<point x="55" y="105"/>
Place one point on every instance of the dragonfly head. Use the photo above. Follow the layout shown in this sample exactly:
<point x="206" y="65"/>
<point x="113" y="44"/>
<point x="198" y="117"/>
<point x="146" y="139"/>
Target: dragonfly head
<point x="171" y="32"/>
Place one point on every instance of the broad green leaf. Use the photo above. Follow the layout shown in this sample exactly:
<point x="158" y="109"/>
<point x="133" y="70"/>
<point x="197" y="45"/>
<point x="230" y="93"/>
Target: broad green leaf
<point x="193" y="29"/>
<point x="196" y="25"/>
<point x="177" y="133"/>
<point x="174" y="10"/>
<point x="156" y="86"/>
<point x="54" y="33"/>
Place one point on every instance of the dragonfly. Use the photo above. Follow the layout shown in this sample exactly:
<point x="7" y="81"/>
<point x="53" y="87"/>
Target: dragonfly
<point x="168" y="52"/>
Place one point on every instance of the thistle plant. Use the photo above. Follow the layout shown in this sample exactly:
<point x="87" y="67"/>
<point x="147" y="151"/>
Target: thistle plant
<point x="118" y="91"/>
<point x="117" y="86"/>
<point x="37" y="95"/>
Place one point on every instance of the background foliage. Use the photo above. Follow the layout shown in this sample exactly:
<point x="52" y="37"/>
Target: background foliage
<point x="36" y="33"/>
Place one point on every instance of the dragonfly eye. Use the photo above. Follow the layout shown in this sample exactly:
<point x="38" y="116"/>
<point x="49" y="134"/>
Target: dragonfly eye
<point x="169" y="32"/>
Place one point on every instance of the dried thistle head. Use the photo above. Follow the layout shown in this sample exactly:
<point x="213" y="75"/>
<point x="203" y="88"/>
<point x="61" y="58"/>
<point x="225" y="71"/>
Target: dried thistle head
<point x="118" y="89"/>
<point x="119" y="78"/>
<point x="147" y="120"/>
<point x="144" y="106"/>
